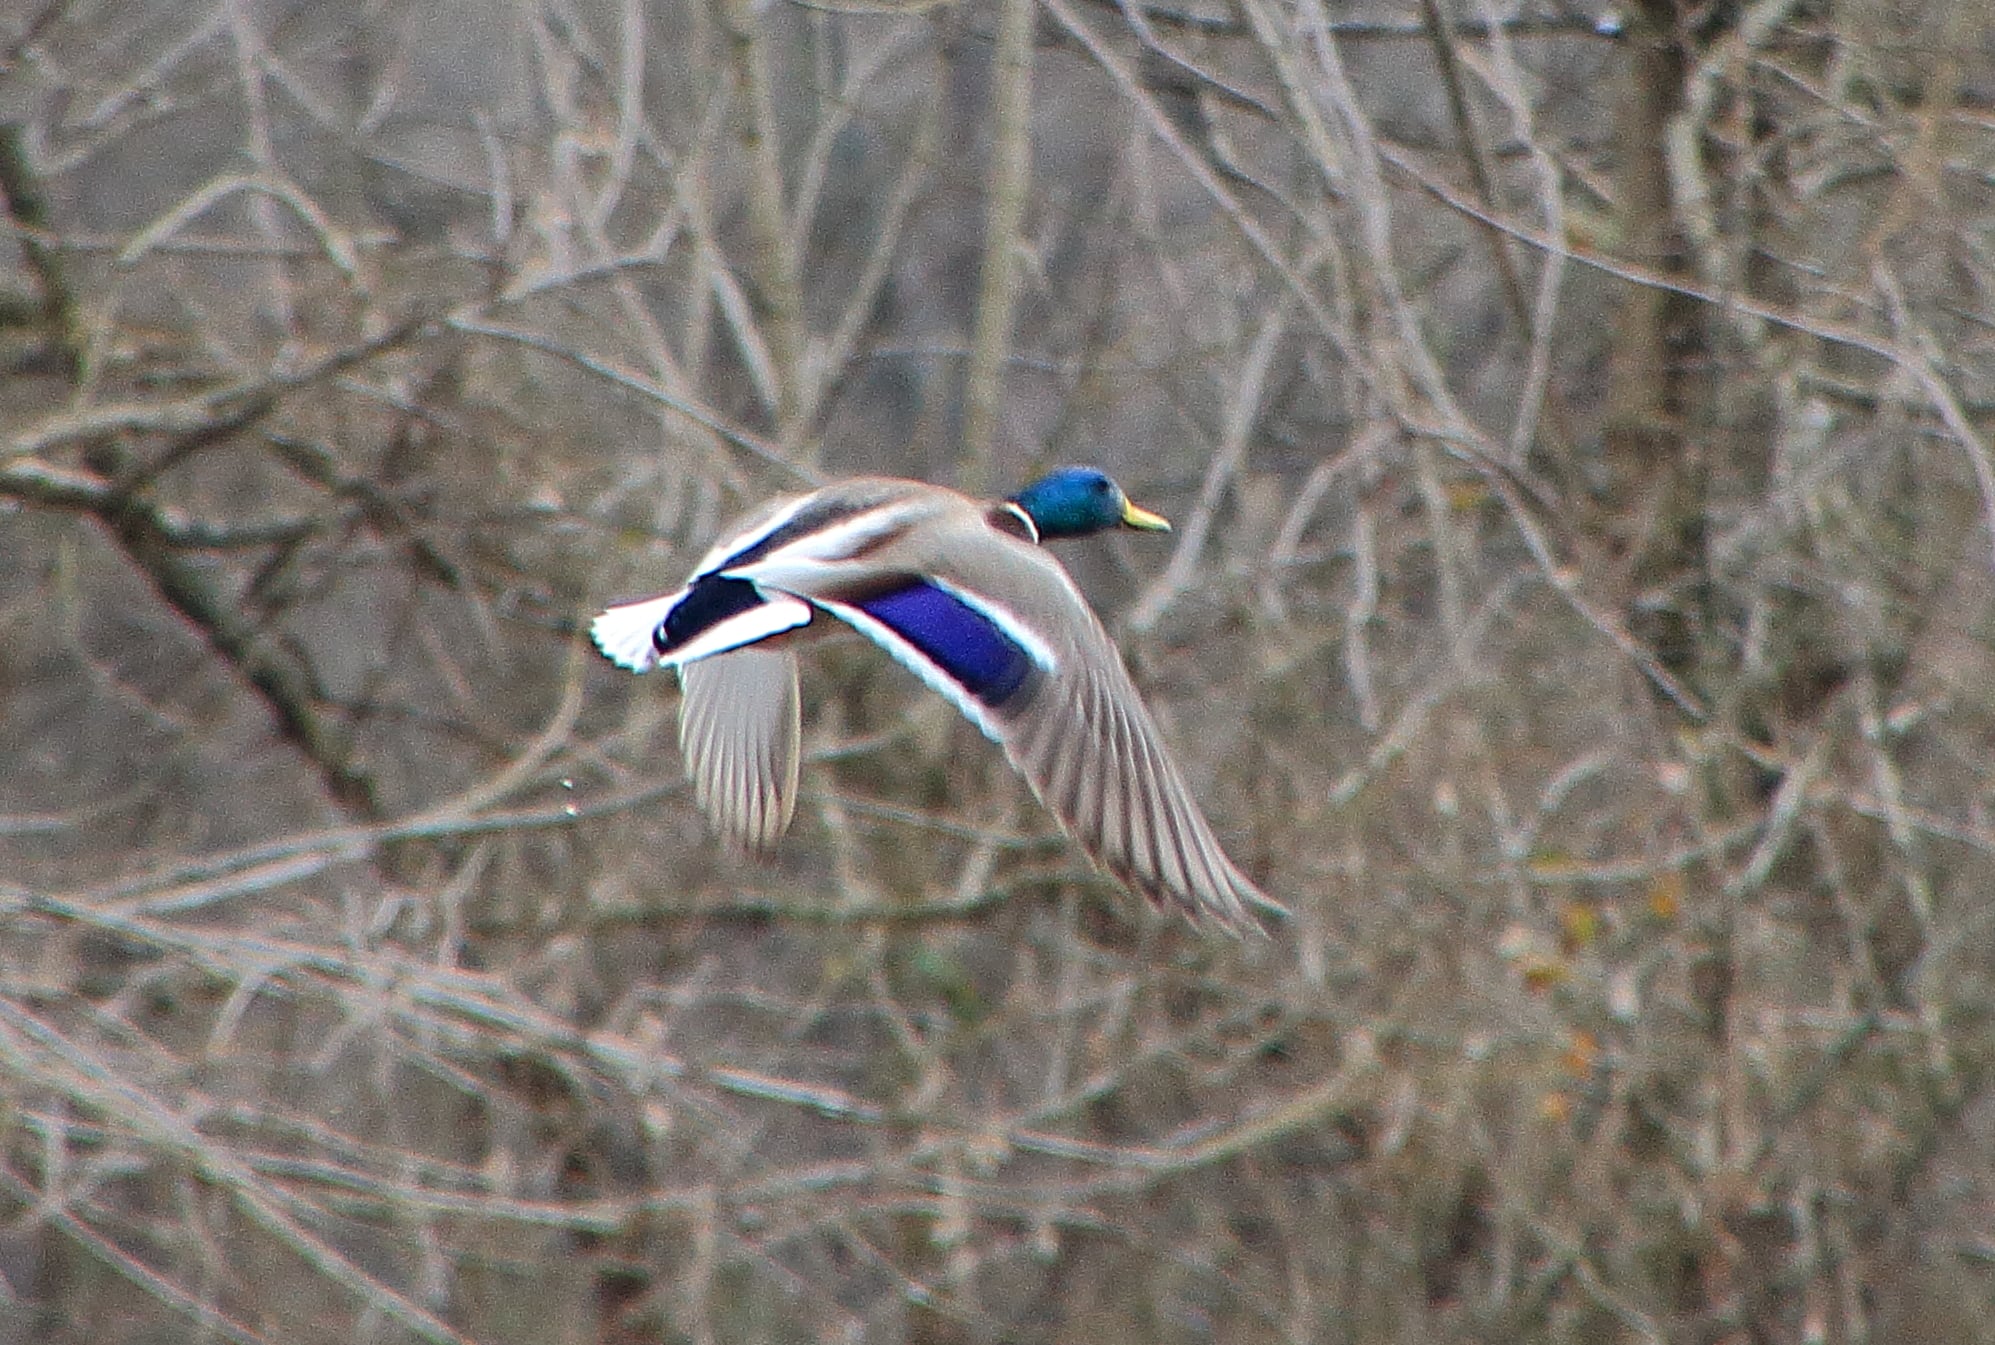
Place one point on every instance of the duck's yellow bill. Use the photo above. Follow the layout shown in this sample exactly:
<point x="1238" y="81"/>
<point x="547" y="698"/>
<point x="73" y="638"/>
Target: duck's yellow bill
<point x="1136" y="516"/>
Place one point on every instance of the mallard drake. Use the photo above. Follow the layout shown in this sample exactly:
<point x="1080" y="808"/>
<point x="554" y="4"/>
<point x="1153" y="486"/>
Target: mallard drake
<point x="961" y="594"/>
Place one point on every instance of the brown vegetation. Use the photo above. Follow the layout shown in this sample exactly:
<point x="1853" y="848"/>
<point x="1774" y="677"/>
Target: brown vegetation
<point x="1578" y="430"/>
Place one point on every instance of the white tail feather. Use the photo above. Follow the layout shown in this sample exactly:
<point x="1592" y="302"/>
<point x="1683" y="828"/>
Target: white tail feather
<point x="624" y="633"/>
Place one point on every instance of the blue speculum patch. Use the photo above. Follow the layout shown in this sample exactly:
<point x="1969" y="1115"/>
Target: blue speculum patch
<point x="973" y="650"/>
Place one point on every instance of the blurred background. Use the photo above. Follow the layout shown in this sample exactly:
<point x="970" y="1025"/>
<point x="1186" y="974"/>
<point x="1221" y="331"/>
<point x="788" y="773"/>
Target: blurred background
<point x="1577" y="419"/>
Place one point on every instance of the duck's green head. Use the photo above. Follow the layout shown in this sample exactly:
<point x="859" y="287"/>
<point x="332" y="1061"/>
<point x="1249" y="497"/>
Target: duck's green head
<point x="1076" y="501"/>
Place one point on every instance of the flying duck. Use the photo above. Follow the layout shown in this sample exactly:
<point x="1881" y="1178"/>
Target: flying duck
<point x="961" y="593"/>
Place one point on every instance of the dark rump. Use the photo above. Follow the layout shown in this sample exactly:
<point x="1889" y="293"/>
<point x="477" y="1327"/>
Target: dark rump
<point x="709" y="602"/>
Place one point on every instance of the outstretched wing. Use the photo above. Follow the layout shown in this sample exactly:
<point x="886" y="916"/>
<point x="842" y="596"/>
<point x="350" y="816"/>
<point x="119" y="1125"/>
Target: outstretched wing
<point x="738" y="718"/>
<point x="1000" y="630"/>
<point x="739" y="730"/>
<point x="1092" y="753"/>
